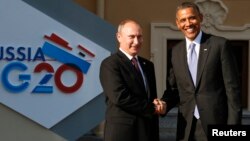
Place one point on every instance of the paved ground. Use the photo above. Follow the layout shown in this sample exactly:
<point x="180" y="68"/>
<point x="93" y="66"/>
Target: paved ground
<point x="167" y="127"/>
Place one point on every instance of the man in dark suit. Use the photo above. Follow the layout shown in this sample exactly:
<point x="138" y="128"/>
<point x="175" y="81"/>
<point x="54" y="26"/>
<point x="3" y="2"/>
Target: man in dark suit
<point x="203" y="79"/>
<point x="130" y="90"/>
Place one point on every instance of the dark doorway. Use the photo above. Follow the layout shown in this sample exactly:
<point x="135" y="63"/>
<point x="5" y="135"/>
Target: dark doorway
<point x="240" y="49"/>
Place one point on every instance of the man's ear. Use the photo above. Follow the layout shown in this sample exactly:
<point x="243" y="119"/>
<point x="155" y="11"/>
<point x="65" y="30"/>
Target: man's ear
<point x="177" y="23"/>
<point x="201" y="17"/>
<point x="118" y="36"/>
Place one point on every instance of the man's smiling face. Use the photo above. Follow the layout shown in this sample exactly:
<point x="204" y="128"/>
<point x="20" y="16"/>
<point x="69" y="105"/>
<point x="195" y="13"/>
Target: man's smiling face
<point x="188" y="20"/>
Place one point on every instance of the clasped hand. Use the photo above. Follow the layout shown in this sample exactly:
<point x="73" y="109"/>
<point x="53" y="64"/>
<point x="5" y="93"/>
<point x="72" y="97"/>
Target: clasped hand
<point x="160" y="106"/>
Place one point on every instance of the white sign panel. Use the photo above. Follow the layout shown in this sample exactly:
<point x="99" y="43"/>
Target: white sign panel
<point x="47" y="70"/>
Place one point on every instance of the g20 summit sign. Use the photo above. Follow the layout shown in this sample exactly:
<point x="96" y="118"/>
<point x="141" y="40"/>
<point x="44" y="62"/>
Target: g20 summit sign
<point x="47" y="70"/>
<point x="21" y="54"/>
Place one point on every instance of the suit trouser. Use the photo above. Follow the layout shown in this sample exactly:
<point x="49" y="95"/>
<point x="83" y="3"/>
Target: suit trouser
<point x="197" y="132"/>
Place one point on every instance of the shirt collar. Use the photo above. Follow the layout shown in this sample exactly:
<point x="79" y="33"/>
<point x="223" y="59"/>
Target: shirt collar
<point x="197" y="40"/>
<point x="129" y="56"/>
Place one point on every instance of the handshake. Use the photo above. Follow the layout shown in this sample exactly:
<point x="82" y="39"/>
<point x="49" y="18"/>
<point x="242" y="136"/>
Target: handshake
<point x="160" y="106"/>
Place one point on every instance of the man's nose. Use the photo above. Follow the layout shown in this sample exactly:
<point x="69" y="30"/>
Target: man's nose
<point x="136" y="40"/>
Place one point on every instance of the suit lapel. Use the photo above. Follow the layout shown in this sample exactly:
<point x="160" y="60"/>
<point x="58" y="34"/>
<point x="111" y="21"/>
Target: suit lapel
<point x="145" y="72"/>
<point x="184" y="64"/>
<point x="127" y="64"/>
<point x="204" y="50"/>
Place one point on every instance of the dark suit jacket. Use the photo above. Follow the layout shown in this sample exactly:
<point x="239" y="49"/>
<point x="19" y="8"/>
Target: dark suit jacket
<point x="217" y="93"/>
<point x="129" y="113"/>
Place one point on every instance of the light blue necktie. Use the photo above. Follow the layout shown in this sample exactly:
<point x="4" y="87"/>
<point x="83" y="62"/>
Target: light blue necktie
<point x="192" y="64"/>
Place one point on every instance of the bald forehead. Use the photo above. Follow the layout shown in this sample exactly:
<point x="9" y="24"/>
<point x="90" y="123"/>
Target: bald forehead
<point x="128" y="23"/>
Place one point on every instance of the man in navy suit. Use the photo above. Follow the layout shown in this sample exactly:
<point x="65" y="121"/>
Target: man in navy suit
<point x="130" y="90"/>
<point x="212" y="96"/>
